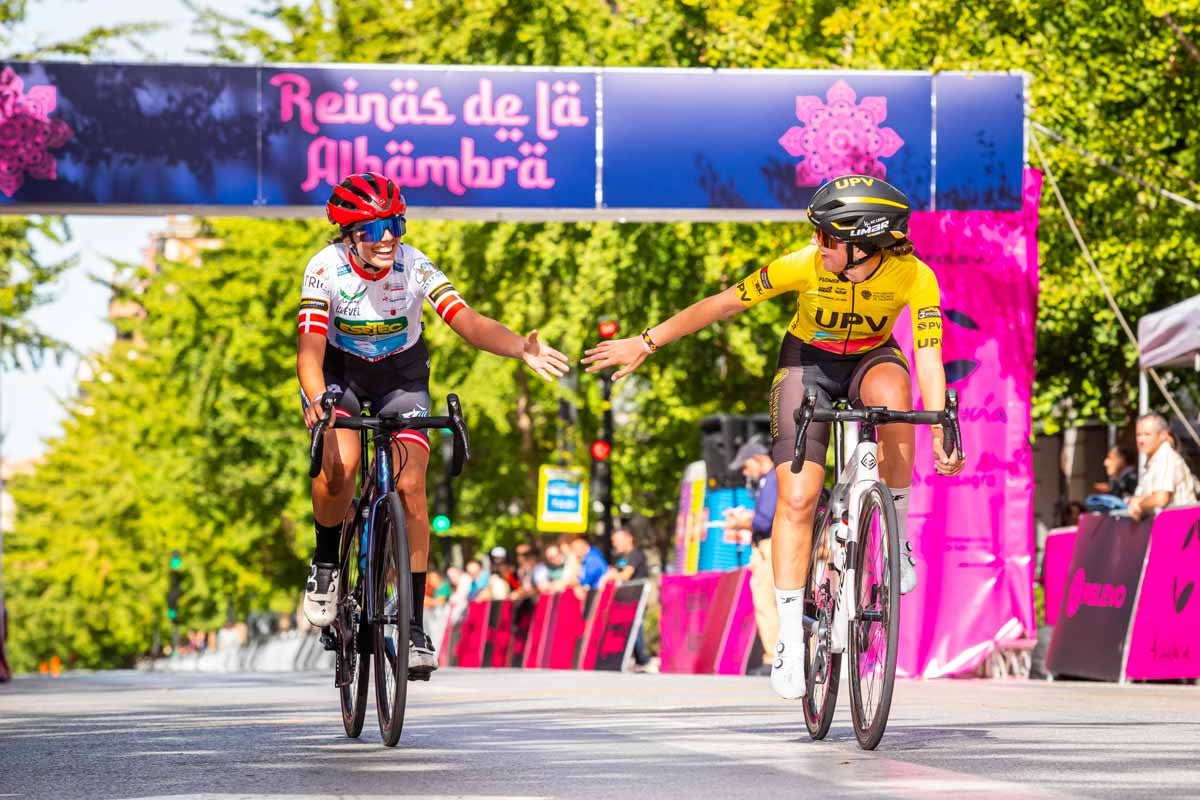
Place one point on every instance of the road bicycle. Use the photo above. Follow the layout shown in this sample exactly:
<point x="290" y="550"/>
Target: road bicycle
<point x="375" y="604"/>
<point x="852" y="595"/>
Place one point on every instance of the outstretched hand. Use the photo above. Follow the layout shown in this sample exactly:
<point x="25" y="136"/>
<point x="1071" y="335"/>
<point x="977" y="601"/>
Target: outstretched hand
<point x="626" y="353"/>
<point x="544" y="359"/>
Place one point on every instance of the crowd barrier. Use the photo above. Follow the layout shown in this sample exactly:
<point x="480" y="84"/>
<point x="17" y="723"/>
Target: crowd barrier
<point x="707" y="623"/>
<point x="1127" y="607"/>
<point x="286" y="652"/>
<point x="561" y="630"/>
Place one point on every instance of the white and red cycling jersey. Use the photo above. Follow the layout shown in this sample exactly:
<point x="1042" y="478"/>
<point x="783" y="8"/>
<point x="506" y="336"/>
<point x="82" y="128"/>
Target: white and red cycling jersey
<point x="373" y="316"/>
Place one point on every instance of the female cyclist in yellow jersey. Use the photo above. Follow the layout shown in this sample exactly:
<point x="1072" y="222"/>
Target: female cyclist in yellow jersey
<point x="852" y="281"/>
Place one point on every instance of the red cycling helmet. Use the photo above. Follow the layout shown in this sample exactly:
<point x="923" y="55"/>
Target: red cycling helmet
<point x="364" y="197"/>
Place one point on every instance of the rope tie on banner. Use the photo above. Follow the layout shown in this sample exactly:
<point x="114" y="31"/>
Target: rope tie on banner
<point x="1112" y="303"/>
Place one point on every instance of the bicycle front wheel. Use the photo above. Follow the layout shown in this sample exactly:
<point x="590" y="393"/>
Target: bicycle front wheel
<point x="822" y="666"/>
<point x="393" y="601"/>
<point x="353" y="670"/>
<point x="874" y="634"/>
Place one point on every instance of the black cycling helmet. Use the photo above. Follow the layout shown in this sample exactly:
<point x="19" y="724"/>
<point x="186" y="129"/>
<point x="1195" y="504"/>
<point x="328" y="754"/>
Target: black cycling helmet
<point x="860" y="210"/>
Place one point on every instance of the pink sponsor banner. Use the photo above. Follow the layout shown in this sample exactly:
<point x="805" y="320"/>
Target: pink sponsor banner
<point x="1166" y="625"/>
<point x="686" y="607"/>
<point x="707" y="622"/>
<point x="974" y="532"/>
<point x="1060" y="545"/>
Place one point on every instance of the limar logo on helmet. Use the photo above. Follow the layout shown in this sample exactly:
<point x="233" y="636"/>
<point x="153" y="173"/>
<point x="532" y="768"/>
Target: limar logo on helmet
<point x="867" y="228"/>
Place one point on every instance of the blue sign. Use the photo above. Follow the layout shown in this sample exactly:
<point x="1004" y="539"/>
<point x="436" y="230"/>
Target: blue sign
<point x="760" y="139"/>
<point x="562" y="499"/>
<point x="981" y="141"/>
<point x="519" y="143"/>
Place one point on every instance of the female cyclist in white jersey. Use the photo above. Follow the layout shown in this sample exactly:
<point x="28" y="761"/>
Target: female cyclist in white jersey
<point x="360" y="334"/>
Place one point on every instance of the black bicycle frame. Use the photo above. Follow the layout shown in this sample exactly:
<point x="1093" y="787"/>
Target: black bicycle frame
<point x="376" y="434"/>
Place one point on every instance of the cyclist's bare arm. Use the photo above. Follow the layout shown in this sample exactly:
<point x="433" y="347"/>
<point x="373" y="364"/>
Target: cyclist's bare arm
<point x="630" y="352"/>
<point x="310" y="359"/>
<point x="931" y="378"/>
<point x="495" y="337"/>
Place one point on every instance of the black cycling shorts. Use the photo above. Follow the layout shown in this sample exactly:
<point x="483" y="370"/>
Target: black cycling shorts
<point x="398" y="384"/>
<point x="803" y="367"/>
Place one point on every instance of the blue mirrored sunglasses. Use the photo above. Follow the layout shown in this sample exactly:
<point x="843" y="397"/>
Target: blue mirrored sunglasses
<point x="373" y="231"/>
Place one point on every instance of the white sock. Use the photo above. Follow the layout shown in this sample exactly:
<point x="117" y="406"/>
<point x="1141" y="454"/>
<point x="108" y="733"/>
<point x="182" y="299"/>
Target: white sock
<point x="790" y="603"/>
<point x="900" y="500"/>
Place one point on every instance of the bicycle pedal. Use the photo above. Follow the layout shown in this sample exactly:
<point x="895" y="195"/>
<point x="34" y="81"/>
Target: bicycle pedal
<point x="329" y="640"/>
<point x="419" y="675"/>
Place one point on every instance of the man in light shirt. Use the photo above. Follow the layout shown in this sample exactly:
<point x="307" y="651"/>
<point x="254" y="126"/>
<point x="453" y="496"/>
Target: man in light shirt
<point x="1167" y="480"/>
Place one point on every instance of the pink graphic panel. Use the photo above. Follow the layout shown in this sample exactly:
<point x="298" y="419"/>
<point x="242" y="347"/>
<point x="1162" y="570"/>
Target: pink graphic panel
<point x="1166" y="625"/>
<point x="974" y="532"/>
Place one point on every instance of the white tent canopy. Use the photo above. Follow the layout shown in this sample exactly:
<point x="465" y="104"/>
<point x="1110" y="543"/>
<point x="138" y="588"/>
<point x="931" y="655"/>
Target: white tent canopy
<point x="1171" y="337"/>
<point x="1168" y="338"/>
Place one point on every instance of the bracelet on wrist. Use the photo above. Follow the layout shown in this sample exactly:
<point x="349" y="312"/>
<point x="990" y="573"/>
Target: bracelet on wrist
<point x="648" y="342"/>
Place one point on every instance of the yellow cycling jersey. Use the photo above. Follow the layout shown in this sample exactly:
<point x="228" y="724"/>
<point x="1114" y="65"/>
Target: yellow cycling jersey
<point x="844" y="317"/>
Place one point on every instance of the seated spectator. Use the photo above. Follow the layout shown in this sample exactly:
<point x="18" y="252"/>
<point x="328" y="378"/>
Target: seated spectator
<point x="1121" y="469"/>
<point x="1167" y="481"/>
<point x="1071" y="513"/>
<point x="592" y="566"/>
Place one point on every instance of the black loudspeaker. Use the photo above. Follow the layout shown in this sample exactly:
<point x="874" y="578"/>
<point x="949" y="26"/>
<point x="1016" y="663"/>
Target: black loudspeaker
<point x="760" y="426"/>
<point x="720" y="437"/>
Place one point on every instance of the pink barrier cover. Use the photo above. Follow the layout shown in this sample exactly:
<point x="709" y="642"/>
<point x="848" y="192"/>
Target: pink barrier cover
<point x="707" y="624"/>
<point x="1060" y="545"/>
<point x="1166" y="626"/>
<point x="974" y="532"/>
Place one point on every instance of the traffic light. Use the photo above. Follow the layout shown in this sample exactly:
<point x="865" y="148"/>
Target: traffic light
<point x="600" y="450"/>
<point x="443" y="506"/>
<point x="174" y="586"/>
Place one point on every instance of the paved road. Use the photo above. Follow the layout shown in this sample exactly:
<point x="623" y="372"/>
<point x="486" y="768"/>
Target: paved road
<point x="595" y="735"/>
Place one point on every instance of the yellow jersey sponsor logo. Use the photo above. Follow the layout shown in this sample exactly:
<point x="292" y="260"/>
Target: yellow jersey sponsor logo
<point x="371" y="327"/>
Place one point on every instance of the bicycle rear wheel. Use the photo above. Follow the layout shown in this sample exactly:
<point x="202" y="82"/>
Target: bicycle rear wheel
<point x="393" y="600"/>
<point x="353" y="669"/>
<point x="874" y="634"/>
<point x="822" y="666"/>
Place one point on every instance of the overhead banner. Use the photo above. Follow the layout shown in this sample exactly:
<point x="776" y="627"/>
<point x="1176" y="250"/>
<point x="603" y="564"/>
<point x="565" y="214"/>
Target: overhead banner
<point x="494" y="142"/>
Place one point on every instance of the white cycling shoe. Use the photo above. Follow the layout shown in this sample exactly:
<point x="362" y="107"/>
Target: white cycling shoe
<point x="908" y="568"/>
<point x="787" y="671"/>
<point x="321" y="594"/>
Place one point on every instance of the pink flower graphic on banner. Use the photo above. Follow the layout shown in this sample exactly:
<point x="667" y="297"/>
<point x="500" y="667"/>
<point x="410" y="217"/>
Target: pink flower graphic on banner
<point x="839" y="136"/>
<point x="27" y="133"/>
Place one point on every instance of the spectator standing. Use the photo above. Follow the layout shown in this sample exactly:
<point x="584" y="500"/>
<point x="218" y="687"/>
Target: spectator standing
<point x="753" y="460"/>
<point x="629" y="564"/>
<point x="503" y="579"/>
<point x="555" y="563"/>
<point x="592" y="566"/>
<point x="437" y="590"/>
<point x="1167" y="480"/>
